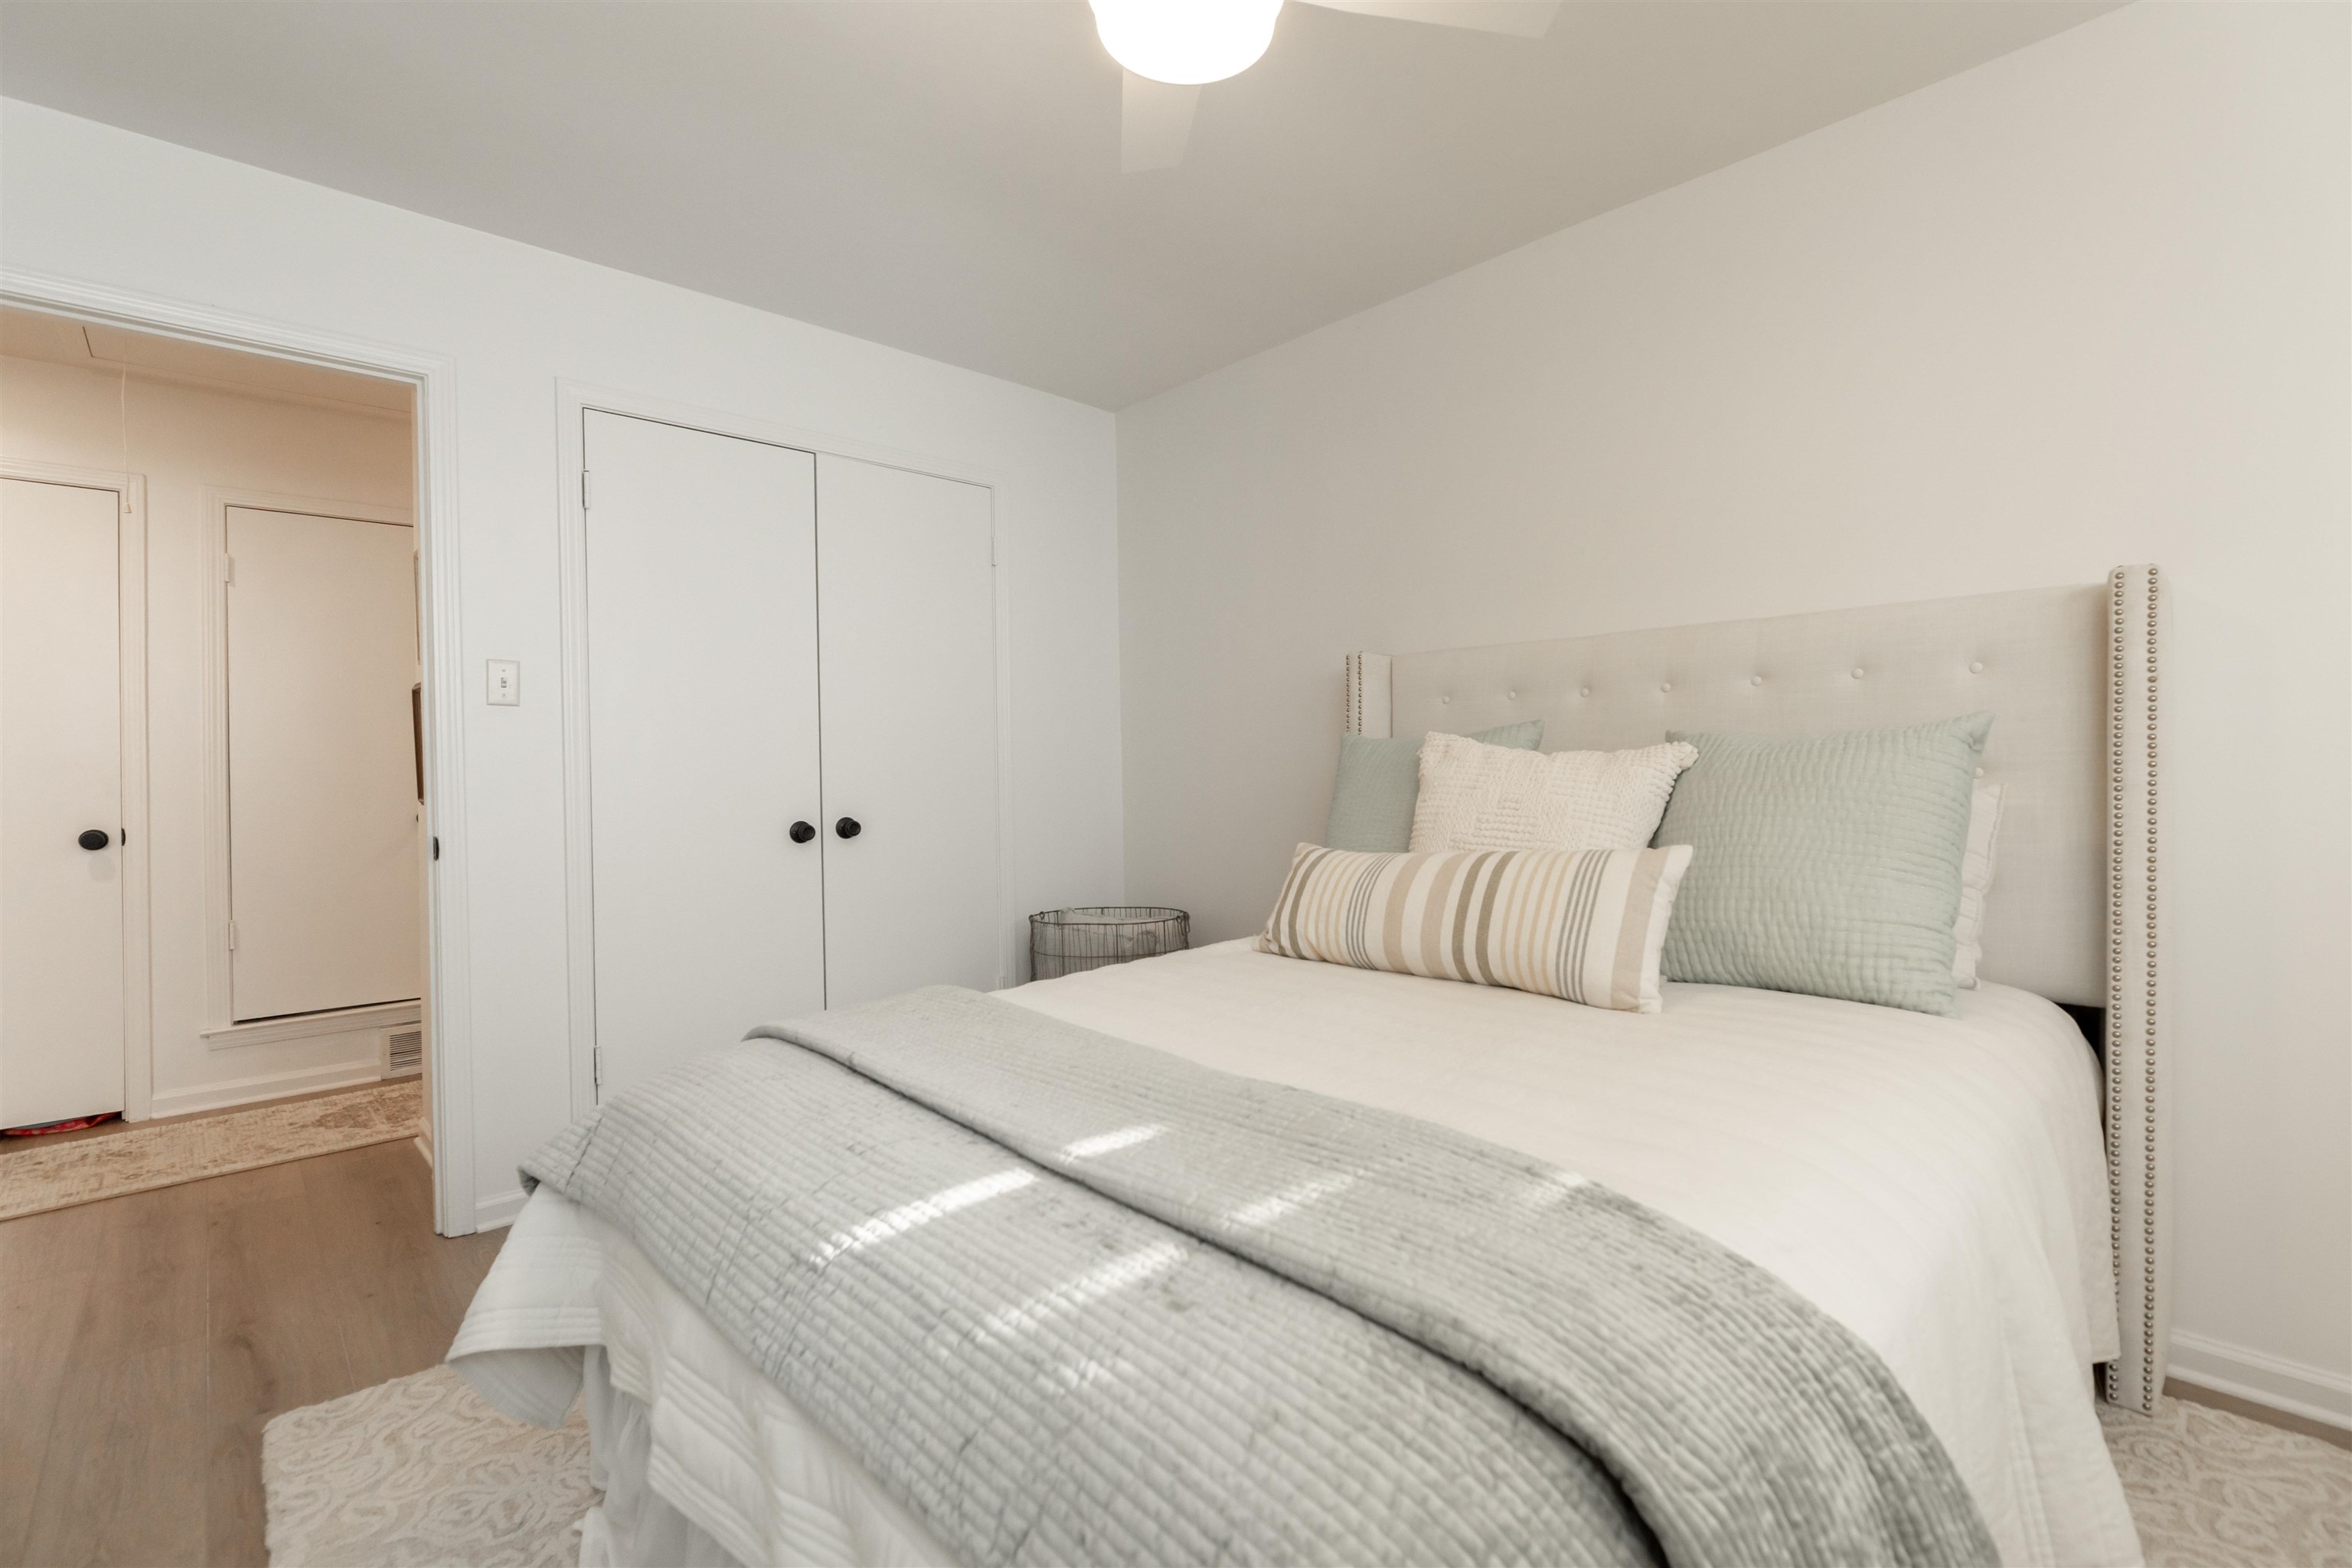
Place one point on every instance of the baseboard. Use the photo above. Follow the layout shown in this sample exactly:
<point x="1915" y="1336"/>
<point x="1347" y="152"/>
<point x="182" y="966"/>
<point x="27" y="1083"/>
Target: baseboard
<point x="265" y="1086"/>
<point x="498" y="1209"/>
<point x="2313" y="1392"/>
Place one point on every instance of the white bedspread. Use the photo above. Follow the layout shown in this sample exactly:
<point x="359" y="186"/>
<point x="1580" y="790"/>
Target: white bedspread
<point x="1937" y="1185"/>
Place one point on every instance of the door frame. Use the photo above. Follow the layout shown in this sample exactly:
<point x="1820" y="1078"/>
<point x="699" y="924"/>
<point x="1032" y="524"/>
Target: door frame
<point x="575" y="400"/>
<point x="221" y="1029"/>
<point x="434" y="379"/>
<point x="130" y="491"/>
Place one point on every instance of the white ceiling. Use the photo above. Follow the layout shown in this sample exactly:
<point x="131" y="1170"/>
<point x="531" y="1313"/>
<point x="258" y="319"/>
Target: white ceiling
<point x="943" y="174"/>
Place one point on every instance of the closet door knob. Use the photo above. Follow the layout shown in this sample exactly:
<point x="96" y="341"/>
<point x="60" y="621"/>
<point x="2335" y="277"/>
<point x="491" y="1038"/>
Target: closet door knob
<point x="96" y="838"/>
<point x="847" y="827"/>
<point x="803" y="832"/>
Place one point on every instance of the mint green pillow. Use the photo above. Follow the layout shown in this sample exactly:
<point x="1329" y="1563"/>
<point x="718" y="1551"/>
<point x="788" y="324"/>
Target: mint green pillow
<point x="1380" y="780"/>
<point x="1828" y="866"/>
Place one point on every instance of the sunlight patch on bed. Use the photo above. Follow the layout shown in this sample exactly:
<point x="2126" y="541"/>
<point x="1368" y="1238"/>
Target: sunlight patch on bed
<point x="1550" y="1187"/>
<point x="1266" y="1210"/>
<point x="1112" y="1142"/>
<point x="922" y="1211"/>
<point x="1071" y="1295"/>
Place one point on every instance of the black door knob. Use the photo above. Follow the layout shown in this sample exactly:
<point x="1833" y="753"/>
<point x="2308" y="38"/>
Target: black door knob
<point x="93" y="839"/>
<point x="847" y="827"/>
<point x="803" y="832"/>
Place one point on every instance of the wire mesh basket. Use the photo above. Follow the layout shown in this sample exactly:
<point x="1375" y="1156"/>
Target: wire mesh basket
<point x="1062" y="941"/>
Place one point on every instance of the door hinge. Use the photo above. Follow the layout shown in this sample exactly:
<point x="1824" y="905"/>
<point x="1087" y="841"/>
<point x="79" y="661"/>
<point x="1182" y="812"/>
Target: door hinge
<point x="596" y="1071"/>
<point x="228" y="570"/>
<point x="232" y="936"/>
<point x="584" y="490"/>
<point x="436" y="846"/>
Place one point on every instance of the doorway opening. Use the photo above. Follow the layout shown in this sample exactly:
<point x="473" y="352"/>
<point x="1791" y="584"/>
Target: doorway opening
<point x="213" y="693"/>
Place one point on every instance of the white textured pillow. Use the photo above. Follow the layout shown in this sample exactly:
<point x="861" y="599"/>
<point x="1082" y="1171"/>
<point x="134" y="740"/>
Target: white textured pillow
<point x="1475" y="796"/>
<point x="1976" y="880"/>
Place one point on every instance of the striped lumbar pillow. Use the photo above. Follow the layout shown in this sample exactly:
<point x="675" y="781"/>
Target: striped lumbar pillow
<point x="1582" y="924"/>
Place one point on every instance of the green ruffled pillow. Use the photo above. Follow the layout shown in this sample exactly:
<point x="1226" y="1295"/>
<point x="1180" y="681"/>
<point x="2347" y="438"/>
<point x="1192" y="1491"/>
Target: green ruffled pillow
<point x="1380" y="781"/>
<point x="1828" y="866"/>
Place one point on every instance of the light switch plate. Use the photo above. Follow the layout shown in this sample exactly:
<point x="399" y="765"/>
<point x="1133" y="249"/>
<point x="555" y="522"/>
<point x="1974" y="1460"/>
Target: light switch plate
<point x="506" y="683"/>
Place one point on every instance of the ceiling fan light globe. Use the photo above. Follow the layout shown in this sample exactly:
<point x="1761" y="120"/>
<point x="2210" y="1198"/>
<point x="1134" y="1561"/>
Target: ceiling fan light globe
<point x="1186" y="42"/>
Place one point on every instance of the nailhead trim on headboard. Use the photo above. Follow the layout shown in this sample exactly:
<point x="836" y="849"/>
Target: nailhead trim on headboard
<point x="2135" y="1125"/>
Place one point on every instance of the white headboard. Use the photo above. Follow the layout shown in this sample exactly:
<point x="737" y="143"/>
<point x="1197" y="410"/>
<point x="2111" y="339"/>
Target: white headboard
<point x="2069" y="675"/>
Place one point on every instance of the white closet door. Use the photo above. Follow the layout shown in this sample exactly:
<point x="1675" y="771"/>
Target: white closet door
<point x="61" y="1012"/>
<point x="910" y="603"/>
<point x="324" y="876"/>
<point x="702" y="684"/>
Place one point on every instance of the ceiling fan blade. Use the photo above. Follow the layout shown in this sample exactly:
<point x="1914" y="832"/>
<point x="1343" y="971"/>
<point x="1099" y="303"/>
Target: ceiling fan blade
<point x="1519" y="18"/>
<point x="1155" y="121"/>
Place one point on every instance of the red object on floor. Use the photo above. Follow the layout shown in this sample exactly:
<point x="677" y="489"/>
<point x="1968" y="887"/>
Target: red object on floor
<point x="70" y="1124"/>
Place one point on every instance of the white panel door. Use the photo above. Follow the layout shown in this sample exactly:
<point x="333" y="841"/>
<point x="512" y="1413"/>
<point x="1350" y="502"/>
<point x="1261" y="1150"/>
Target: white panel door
<point x="910" y="597"/>
<point x="61" y="1012"/>
<point x="323" y="820"/>
<point x="702" y="725"/>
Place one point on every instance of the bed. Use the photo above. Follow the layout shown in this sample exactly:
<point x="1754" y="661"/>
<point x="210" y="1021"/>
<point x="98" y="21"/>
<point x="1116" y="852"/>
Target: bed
<point x="1939" y="1187"/>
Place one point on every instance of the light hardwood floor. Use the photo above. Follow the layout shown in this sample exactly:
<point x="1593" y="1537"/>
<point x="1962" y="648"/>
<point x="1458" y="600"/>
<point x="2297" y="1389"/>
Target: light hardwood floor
<point x="145" y="1341"/>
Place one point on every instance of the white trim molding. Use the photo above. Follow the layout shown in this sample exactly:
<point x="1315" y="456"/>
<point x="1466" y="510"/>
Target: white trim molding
<point x="2313" y="1392"/>
<point x="499" y="1208"/>
<point x="130" y="490"/>
<point x="312" y="1026"/>
<point x="2137" y="1113"/>
<point x="270" y="1086"/>
<point x="435" y="378"/>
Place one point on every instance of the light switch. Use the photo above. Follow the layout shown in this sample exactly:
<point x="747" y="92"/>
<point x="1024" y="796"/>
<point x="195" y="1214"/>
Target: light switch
<point x="506" y="683"/>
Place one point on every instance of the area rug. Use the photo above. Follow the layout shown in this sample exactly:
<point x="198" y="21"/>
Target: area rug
<point x="159" y="1153"/>
<point x="419" y="1471"/>
<point x="422" y="1471"/>
<point x="2211" y="1490"/>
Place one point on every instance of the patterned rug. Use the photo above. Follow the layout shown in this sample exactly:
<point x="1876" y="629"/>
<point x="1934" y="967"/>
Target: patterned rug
<point x="420" y="1471"/>
<point x="2209" y="1489"/>
<point x="159" y="1153"/>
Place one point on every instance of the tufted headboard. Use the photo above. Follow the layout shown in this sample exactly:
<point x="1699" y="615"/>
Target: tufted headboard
<point x="2069" y="675"/>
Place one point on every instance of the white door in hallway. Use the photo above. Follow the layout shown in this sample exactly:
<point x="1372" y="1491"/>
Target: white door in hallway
<point x="325" y="879"/>
<point x="61" y="992"/>
<point x="910" y="596"/>
<point x="702" y="739"/>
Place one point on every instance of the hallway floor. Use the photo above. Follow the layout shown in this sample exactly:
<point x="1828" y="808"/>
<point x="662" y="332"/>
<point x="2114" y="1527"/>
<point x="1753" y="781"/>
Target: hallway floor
<point x="144" y="1341"/>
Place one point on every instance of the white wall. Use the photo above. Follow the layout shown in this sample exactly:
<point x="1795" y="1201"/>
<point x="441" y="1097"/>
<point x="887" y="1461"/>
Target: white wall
<point x="180" y="439"/>
<point x="516" y="320"/>
<point x="2085" y="304"/>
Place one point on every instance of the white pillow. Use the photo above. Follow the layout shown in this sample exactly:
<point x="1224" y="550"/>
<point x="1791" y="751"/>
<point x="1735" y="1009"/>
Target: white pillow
<point x="1976" y="880"/>
<point x="1476" y="796"/>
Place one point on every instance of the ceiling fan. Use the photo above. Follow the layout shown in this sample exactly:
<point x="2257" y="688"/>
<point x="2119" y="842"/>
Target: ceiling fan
<point x="1171" y="48"/>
